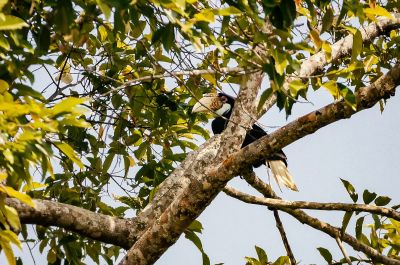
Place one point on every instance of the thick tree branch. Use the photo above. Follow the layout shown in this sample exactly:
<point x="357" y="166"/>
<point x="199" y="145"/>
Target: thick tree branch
<point x="324" y="206"/>
<point x="340" y="49"/>
<point x="97" y="226"/>
<point x="304" y="218"/>
<point x="181" y="212"/>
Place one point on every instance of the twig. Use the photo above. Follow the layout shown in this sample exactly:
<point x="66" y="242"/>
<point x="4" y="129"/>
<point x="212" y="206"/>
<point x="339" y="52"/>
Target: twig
<point x="226" y="70"/>
<point x="279" y="225"/>
<point x="283" y="204"/>
<point x="346" y="256"/>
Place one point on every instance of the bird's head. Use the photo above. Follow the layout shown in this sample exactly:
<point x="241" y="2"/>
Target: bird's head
<point x="219" y="104"/>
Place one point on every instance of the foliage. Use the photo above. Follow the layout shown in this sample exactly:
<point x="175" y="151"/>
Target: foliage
<point x="104" y="55"/>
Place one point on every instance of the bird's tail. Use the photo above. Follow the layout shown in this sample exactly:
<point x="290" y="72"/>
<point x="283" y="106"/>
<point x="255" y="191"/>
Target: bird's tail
<point x="281" y="174"/>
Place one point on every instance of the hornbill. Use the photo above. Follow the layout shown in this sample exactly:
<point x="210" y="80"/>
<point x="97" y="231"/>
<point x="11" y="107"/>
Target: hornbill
<point x="222" y="105"/>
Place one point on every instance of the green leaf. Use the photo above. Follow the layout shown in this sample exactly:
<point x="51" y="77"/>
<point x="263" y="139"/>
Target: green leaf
<point x="283" y="260"/>
<point x="195" y="226"/>
<point x="327" y="20"/>
<point x="107" y="162"/>
<point x="325" y="254"/>
<point x="104" y="8"/>
<point x="264" y="96"/>
<point x="359" y="225"/>
<point x="368" y="196"/>
<point x="382" y="200"/>
<point x="69" y="152"/>
<point x="345" y="222"/>
<point x="357" y="45"/>
<point x="4" y="43"/>
<point x="280" y="61"/>
<point x="9" y="22"/>
<point x="262" y="256"/>
<point x="348" y="96"/>
<point x="350" y="189"/>
<point x="197" y="242"/>
<point x="168" y="37"/>
<point x="297" y="86"/>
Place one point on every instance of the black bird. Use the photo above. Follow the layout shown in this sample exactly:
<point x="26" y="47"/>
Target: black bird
<point x="222" y="105"/>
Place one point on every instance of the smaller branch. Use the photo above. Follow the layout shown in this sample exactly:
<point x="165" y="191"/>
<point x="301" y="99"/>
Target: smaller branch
<point x="346" y="256"/>
<point x="279" y="225"/>
<point x="283" y="204"/>
<point x="332" y="231"/>
<point x="226" y="70"/>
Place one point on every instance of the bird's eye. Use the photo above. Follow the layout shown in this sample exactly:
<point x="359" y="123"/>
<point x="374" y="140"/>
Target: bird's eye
<point x="224" y="99"/>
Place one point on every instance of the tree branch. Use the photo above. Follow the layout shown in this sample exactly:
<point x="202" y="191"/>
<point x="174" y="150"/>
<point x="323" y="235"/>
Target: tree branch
<point x="343" y="250"/>
<point x="285" y="240"/>
<point x="282" y="204"/>
<point x="304" y="218"/>
<point x="340" y="49"/>
<point x="164" y="231"/>
<point x="105" y="228"/>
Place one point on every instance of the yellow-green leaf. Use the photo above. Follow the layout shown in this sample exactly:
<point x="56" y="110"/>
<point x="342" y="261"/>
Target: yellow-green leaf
<point x="9" y="22"/>
<point x="316" y="39"/>
<point x="280" y="61"/>
<point x="103" y="33"/>
<point x="69" y="152"/>
<point x="3" y="86"/>
<point x="295" y="86"/>
<point x="206" y="15"/>
<point x="67" y="105"/>
<point x="11" y="217"/>
<point x="332" y="88"/>
<point x="326" y="47"/>
<point x="357" y="45"/>
<point x="2" y="4"/>
<point x="18" y="195"/>
<point x="33" y="186"/>
<point x="378" y="11"/>
<point x="370" y="61"/>
<point x="210" y="78"/>
<point x="229" y="11"/>
<point x="11" y="237"/>
<point x="6" y="247"/>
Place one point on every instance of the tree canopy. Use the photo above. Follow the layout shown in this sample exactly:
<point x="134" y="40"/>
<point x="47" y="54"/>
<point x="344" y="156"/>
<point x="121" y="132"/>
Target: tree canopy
<point x="99" y="147"/>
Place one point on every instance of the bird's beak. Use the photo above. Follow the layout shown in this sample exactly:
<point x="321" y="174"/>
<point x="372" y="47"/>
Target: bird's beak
<point x="206" y="104"/>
